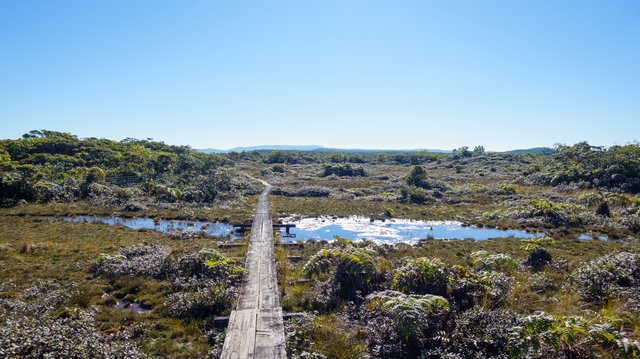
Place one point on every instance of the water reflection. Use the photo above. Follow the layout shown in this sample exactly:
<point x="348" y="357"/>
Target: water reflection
<point x="213" y="229"/>
<point x="394" y="230"/>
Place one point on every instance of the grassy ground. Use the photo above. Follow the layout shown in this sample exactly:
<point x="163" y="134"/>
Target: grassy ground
<point x="237" y="213"/>
<point x="473" y="196"/>
<point x="36" y="245"/>
<point x="36" y="249"/>
<point x="335" y="336"/>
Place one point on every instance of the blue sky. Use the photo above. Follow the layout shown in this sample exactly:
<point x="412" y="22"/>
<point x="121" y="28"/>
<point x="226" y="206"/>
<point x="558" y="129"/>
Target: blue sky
<point x="368" y="74"/>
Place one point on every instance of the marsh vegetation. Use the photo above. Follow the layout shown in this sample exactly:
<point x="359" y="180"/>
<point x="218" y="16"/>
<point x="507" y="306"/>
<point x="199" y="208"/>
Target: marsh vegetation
<point x="127" y="292"/>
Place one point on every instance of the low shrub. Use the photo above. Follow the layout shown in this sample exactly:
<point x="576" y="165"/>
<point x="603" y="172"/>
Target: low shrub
<point x="498" y="285"/>
<point x="478" y="333"/>
<point x="483" y="261"/>
<point x="306" y="191"/>
<point x="421" y="276"/>
<point x="344" y="170"/>
<point x="418" y="178"/>
<point x="206" y="284"/>
<point x="542" y="335"/>
<point x="503" y="190"/>
<point x="209" y="263"/>
<point x="418" y="195"/>
<point x="552" y="212"/>
<point x="537" y="255"/>
<point x="605" y="277"/>
<point x="73" y="335"/>
<point x="135" y="206"/>
<point x="198" y="298"/>
<point x="412" y="313"/>
<point x="482" y="333"/>
<point x="403" y="325"/>
<point x="538" y="258"/>
<point x="148" y="260"/>
<point x="353" y="270"/>
<point x="466" y="288"/>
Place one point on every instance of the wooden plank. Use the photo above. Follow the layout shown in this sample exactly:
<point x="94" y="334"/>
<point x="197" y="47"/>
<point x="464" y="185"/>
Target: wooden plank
<point x="270" y="340"/>
<point x="240" y="346"/>
<point x="256" y="328"/>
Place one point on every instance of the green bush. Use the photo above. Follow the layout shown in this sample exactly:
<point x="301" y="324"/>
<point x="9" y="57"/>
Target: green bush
<point x="413" y="315"/>
<point x="418" y="178"/>
<point x="483" y="261"/>
<point x="421" y="276"/>
<point x="96" y="175"/>
<point x="416" y="195"/>
<point x="478" y="333"/>
<point x="537" y="255"/>
<point x="354" y="269"/>
<point x="344" y="170"/>
<point x="53" y="166"/>
<point x="543" y="335"/>
<point x="462" y="152"/>
<point x="616" y="167"/>
<point x="482" y="333"/>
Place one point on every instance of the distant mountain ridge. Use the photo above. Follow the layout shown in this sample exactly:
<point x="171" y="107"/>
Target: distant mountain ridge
<point x="263" y="148"/>
<point x="534" y="150"/>
<point x="360" y="150"/>
<point x="310" y="148"/>
<point x="316" y="148"/>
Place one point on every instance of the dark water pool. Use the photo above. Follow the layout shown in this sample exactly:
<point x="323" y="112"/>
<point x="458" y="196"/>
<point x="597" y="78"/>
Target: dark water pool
<point x="213" y="229"/>
<point x="392" y="231"/>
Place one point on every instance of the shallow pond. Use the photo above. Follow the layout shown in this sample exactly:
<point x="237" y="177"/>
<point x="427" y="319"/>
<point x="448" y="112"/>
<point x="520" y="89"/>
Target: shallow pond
<point x="213" y="229"/>
<point x="588" y="237"/>
<point x="392" y="231"/>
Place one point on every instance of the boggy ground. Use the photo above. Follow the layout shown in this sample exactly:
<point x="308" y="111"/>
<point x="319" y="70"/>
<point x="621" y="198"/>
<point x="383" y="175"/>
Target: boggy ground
<point x="557" y="297"/>
<point x="235" y="213"/>
<point x="53" y="280"/>
<point x="490" y="190"/>
<point x="497" y="298"/>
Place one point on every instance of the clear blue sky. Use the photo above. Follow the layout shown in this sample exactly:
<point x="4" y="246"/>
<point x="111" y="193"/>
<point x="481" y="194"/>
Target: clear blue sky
<point x="369" y="74"/>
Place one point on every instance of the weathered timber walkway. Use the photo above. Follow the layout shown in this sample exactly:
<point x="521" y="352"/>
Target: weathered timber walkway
<point x="256" y="329"/>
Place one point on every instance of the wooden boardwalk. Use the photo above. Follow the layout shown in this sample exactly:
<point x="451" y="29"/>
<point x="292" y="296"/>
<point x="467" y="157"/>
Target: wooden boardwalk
<point x="256" y="329"/>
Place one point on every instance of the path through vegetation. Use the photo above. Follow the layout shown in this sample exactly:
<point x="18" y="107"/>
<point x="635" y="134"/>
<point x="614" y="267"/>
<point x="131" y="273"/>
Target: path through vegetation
<point x="256" y="328"/>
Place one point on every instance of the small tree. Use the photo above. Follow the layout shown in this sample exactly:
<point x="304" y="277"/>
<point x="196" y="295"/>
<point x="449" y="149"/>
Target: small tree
<point x="417" y="176"/>
<point x="276" y="157"/>
<point x="478" y="150"/>
<point x="462" y="152"/>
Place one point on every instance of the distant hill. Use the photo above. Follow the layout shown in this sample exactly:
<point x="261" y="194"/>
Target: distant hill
<point x="312" y="148"/>
<point x="360" y="150"/>
<point x="211" y="150"/>
<point x="535" y="150"/>
<point x="277" y="147"/>
<point x="264" y="148"/>
<point x="316" y="148"/>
